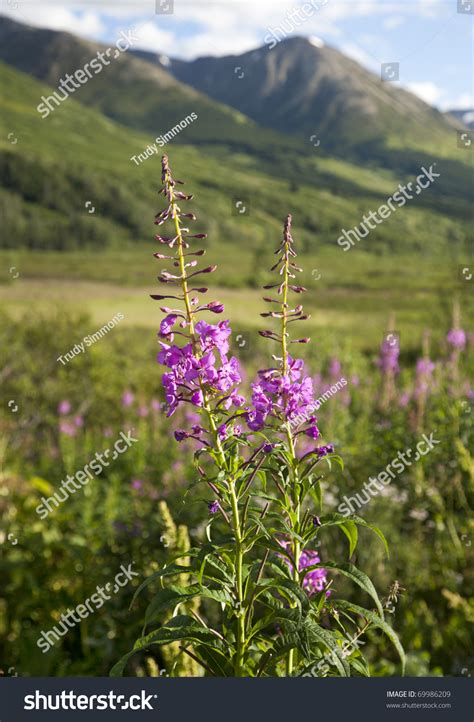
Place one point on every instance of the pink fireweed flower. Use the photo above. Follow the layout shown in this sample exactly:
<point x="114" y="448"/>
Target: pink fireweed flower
<point x="323" y="451"/>
<point x="64" y="407"/>
<point x="208" y="366"/>
<point x="389" y="353"/>
<point x="286" y="397"/>
<point x="404" y="399"/>
<point x="66" y="428"/>
<point x="315" y="580"/>
<point x="456" y="338"/>
<point x="335" y="368"/>
<point x="424" y="376"/>
<point x="167" y="324"/>
<point x="127" y="398"/>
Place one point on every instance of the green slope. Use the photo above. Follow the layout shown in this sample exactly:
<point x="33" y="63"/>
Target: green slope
<point x="77" y="155"/>
<point x="129" y="90"/>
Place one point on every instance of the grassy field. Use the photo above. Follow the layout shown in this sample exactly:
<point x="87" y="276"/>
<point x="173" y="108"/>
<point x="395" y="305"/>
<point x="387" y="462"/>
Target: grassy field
<point x="350" y="295"/>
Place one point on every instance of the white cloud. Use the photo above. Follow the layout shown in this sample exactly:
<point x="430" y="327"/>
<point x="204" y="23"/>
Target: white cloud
<point x="426" y="90"/>
<point x="230" y="25"/>
<point x="465" y="101"/>
<point x="154" y="39"/>
<point x="87" y="23"/>
<point x="393" y="22"/>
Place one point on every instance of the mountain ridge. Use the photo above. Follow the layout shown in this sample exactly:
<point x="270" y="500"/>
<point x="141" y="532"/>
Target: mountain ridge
<point x="75" y="153"/>
<point x="302" y="89"/>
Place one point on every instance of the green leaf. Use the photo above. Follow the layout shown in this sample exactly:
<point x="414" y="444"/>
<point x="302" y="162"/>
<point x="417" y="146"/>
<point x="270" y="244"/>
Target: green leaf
<point x="169" y="597"/>
<point x="361" y="666"/>
<point x="350" y="530"/>
<point x="167" y="571"/>
<point x="303" y="637"/>
<point x="215" y="660"/>
<point x="316" y="493"/>
<point x="218" y="595"/>
<point x="288" y="589"/>
<point x="357" y="576"/>
<point x="207" y="557"/>
<point x="322" y="635"/>
<point x="276" y="616"/>
<point x="336" y="519"/>
<point x="181" y="627"/>
<point x="377" y="622"/>
<point x="281" y="646"/>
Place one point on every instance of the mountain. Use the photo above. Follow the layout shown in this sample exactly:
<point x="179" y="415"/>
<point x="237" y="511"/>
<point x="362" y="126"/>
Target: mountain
<point x="463" y="116"/>
<point x="67" y="183"/>
<point x="304" y="89"/>
<point x="81" y="153"/>
<point x="128" y="90"/>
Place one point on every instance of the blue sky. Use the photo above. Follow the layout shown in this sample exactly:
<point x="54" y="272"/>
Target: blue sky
<point x="430" y="39"/>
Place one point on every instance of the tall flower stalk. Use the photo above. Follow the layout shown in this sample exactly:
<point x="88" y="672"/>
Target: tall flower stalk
<point x="197" y="332"/>
<point x="256" y="566"/>
<point x="286" y="267"/>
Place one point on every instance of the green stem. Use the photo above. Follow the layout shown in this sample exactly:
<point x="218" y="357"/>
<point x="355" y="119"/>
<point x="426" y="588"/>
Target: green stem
<point x="290" y="662"/>
<point x="239" y="657"/>
<point x="296" y="547"/>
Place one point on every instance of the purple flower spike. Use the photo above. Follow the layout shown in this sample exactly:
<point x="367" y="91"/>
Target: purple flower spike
<point x="64" y="407"/>
<point x="335" y="367"/>
<point x="127" y="398"/>
<point x="323" y="451"/>
<point x="167" y="324"/>
<point x="316" y="579"/>
<point x="389" y="353"/>
<point x="213" y="507"/>
<point x="312" y="432"/>
<point x="199" y="372"/>
<point x="215" y="307"/>
<point x="456" y="338"/>
<point x="222" y="432"/>
<point x="67" y="428"/>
